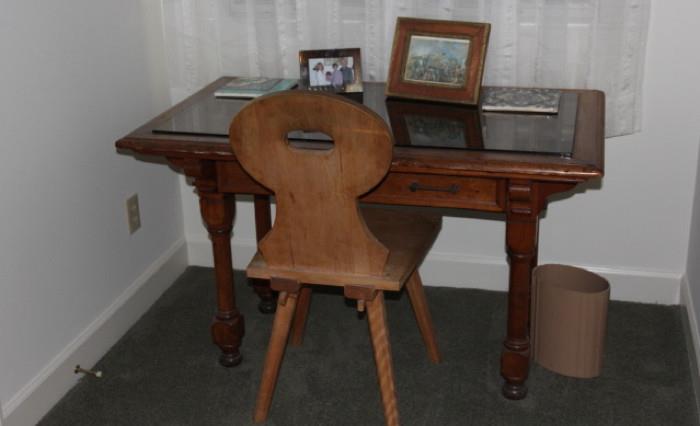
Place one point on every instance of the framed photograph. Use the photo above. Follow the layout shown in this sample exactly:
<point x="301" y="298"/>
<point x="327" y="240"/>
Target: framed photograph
<point x="435" y="125"/>
<point x="336" y="70"/>
<point x="438" y="60"/>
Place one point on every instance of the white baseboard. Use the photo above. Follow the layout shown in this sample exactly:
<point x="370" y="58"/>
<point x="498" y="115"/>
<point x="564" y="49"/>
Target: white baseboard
<point x="645" y="286"/>
<point x="687" y="302"/>
<point x="37" y="397"/>
<point x="690" y="322"/>
<point x="463" y="271"/>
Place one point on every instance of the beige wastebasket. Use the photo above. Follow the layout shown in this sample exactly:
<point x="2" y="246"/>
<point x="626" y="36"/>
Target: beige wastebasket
<point x="568" y="320"/>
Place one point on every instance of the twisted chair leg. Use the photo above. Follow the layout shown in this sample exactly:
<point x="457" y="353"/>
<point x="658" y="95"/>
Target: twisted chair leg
<point x="286" y="304"/>
<point x="376" y="316"/>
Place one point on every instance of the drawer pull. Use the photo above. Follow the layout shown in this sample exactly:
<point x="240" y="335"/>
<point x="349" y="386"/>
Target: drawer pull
<point x="415" y="186"/>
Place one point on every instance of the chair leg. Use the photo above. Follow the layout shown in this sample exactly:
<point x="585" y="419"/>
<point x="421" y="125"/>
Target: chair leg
<point x="300" y="316"/>
<point x="286" y="304"/>
<point x="376" y="316"/>
<point x="414" y="286"/>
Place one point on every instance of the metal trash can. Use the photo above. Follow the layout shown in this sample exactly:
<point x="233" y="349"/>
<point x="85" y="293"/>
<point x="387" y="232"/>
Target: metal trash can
<point x="568" y="320"/>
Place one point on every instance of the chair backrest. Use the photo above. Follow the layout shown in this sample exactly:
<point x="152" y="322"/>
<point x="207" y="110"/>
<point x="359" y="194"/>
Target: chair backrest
<point x="318" y="225"/>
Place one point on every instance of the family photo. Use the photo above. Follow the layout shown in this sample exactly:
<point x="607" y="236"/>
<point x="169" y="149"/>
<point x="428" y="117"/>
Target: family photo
<point x="335" y="72"/>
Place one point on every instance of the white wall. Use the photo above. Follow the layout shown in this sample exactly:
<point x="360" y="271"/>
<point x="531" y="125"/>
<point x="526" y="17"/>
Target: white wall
<point x="690" y="286"/>
<point x="75" y="75"/>
<point x="633" y="230"/>
<point x="639" y="221"/>
<point x="693" y="265"/>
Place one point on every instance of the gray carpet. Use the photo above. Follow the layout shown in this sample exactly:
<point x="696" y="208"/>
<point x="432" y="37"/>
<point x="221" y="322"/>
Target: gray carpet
<point x="164" y="371"/>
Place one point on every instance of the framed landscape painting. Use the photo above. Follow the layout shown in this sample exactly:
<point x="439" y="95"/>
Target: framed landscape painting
<point x="438" y="60"/>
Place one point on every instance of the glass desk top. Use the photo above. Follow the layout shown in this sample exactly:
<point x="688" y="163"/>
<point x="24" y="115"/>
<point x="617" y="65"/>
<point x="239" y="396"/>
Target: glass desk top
<point x="416" y="124"/>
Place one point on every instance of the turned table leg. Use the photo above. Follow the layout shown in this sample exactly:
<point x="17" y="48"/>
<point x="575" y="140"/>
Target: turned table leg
<point x="227" y="328"/>
<point x="525" y="200"/>
<point x="263" y="223"/>
<point x="521" y="244"/>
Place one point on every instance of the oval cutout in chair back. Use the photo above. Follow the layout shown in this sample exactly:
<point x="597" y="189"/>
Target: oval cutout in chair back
<point x="310" y="139"/>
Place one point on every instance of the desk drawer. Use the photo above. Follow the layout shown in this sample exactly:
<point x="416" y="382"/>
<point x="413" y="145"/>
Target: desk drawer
<point x="440" y="191"/>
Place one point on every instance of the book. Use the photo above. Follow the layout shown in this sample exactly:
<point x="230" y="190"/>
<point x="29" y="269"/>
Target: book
<point x="520" y="99"/>
<point x="252" y="87"/>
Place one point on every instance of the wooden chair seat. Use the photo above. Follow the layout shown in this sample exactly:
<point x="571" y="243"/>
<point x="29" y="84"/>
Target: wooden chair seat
<point x="407" y="235"/>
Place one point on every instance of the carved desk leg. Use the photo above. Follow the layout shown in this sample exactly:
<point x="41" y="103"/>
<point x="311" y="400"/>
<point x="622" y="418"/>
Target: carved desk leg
<point x="227" y="328"/>
<point x="526" y="199"/>
<point x="521" y="242"/>
<point x="263" y="223"/>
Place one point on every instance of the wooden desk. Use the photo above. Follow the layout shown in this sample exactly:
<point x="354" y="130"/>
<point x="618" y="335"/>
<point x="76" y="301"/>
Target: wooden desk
<point x="516" y="184"/>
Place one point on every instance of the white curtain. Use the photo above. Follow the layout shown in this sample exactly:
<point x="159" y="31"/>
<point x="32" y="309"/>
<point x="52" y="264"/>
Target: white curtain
<point x="595" y="44"/>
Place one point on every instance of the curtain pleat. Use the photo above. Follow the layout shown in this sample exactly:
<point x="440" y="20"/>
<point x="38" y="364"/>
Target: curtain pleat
<point x="594" y="44"/>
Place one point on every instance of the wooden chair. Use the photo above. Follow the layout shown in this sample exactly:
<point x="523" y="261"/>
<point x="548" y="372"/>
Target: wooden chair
<point x="320" y="235"/>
